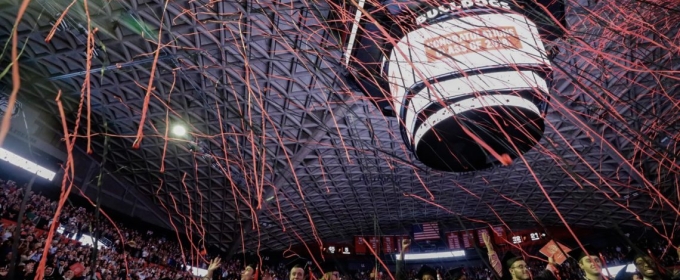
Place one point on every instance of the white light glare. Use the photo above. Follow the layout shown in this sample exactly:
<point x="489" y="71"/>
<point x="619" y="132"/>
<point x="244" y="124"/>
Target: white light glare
<point x="85" y="239"/>
<point x="438" y="255"/>
<point x="26" y="164"/>
<point x="179" y="130"/>
<point x="615" y="269"/>
<point x="200" y="272"/>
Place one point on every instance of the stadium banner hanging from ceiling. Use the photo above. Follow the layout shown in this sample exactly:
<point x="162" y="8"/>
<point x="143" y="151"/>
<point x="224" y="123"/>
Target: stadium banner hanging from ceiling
<point x="359" y="245"/>
<point x="499" y="235"/>
<point x="401" y="239"/>
<point x="468" y="237"/>
<point x="379" y="244"/>
<point x="374" y="242"/>
<point x="453" y="240"/>
<point x="388" y="244"/>
<point x="480" y="233"/>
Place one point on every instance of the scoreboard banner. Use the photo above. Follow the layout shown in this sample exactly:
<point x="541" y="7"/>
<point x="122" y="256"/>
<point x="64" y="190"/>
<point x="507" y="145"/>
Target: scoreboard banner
<point x="528" y="237"/>
<point x="338" y="249"/>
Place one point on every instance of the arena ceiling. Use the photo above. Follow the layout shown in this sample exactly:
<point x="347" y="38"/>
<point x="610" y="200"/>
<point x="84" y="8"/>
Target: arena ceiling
<point x="282" y="150"/>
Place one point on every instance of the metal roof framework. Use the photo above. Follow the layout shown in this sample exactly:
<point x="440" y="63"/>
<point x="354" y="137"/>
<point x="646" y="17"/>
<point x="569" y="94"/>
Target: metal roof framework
<point x="259" y="85"/>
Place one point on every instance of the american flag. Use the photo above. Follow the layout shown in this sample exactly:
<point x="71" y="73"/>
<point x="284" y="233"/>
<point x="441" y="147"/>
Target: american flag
<point x="426" y="231"/>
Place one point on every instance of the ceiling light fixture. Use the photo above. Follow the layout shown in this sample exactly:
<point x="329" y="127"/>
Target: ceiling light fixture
<point x="432" y="256"/>
<point x="26" y="164"/>
<point x="179" y="130"/>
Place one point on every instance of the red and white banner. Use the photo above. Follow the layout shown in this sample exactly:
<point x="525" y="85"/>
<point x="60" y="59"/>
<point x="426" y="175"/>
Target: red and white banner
<point x="499" y="235"/>
<point x="374" y="241"/>
<point x="468" y="239"/>
<point x="479" y="235"/>
<point x="399" y="240"/>
<point x="388" y="245"/>
<point x="454" y="240"/>
<point x="360" y="245"/>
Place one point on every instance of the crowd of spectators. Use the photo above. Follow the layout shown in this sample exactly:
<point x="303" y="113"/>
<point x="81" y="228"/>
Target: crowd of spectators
<point x="143" y="255"/>
<point x="569" y="270"/>
<point x="140" y="255"/>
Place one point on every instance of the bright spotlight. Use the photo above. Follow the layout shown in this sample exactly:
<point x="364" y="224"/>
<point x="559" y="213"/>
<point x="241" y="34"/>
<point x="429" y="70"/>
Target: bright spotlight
<point x="179" y="130"/>
<point x="26" y="164"/>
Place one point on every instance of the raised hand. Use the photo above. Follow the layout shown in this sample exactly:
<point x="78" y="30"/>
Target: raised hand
<point x="486" y="238"/>
<point x="214" y="264"/>
<point x="487" y="242"/>
<point x="552" y="266"/>
<point x="405" y="244"/>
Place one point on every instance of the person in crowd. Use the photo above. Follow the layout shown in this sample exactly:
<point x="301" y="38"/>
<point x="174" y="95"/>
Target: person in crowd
<point x="64" y="253"/>
<point x="455" y="274"/>
<point x="494" y="261"/>
<point x="401" y="273"/>
<point x="426" y="273"/>
<point x="516" y="268"/>
<point x="623" y="274"/>
<point x="250" y="272"/>
<point x="331" y="272"/>
<point x="50" y="274"/>
<point x="297" y="272"/>
<point x="142" y="255"/>
<point x="376" y="275"/>
<point x="28" y="271"/>
<point x="69" y="275"/>
<point x="589" y="262"/>
<point x="650" y="270"/>
<point x="214" y="264"/>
